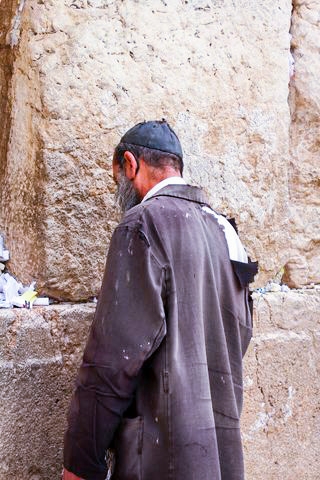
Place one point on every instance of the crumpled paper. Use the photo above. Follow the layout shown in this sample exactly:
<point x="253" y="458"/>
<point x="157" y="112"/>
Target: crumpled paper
<point x="11" y="290"/>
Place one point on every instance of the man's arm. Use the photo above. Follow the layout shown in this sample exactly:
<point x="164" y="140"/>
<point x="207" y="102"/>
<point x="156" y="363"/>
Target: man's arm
<point x="128" y="327"/>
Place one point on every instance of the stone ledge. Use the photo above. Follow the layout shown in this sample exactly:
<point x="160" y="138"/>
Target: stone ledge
<point x="40" y="351"/>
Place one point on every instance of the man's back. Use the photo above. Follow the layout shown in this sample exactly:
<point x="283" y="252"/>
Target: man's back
<point x="189" y="396"/>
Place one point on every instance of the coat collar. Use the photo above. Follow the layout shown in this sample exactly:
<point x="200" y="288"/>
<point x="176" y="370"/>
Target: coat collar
<point x="164" y="183"/>
<point x="186" y="192"/>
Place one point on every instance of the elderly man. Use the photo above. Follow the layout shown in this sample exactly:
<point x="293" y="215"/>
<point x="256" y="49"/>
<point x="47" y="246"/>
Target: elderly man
<point x="160" y="384"/>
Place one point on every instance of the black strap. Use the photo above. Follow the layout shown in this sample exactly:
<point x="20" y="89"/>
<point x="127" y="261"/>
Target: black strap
<point x="245" y="272"/>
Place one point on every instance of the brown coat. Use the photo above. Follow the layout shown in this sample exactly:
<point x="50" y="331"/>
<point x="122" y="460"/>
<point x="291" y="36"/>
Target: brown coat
<point x="161" y="378"/>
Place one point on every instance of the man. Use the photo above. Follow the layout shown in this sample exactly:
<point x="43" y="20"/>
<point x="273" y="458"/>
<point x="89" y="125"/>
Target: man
<point x="161" y="378"/>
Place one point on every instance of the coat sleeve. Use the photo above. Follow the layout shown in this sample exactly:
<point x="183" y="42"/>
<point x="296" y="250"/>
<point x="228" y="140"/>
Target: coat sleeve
<point x="128" y="327"/>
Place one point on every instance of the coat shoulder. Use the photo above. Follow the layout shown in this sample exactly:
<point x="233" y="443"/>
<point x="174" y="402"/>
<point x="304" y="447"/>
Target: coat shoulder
<point x="148" y="212"/>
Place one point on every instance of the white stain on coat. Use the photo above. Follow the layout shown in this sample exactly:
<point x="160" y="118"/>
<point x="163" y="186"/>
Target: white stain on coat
<point x="130" y="249"/>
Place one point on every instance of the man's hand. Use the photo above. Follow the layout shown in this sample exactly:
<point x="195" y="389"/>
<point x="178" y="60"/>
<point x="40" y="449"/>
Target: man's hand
<point x="66" y="475"/>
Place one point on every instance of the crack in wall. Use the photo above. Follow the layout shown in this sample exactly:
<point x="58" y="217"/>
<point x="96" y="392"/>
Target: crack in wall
<point x="258" y="377"/>
<point x="290" y="268"/>
<point x="291" y="94"/>
<point x="300" y="268"/>
<point x="292" y="64"/>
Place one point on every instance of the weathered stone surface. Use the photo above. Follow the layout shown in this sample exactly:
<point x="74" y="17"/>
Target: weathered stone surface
<point x="281" y="420"/>
<point x="7" y="10"/>
<point x="304" y="175"/>
<point x="282" y="412"/>
<point x="87" y="70"/>
<point x="21" y="177"/>
<point x="75" y="74"/>
<point x="41" y="351"/>
<point x="287" y="311"/>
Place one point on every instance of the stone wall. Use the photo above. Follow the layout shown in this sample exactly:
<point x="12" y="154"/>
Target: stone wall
<point x="41" y="350"/>
<point x="74" y="76"/>
<point x="84" y="71"/>
<point x="281" y="417"/>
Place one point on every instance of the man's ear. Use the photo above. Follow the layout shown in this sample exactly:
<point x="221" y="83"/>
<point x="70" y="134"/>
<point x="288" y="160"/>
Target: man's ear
<point x="130" y="165"/>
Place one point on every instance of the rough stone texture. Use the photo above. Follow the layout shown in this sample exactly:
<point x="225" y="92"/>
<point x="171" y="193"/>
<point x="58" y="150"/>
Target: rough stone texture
<point x="282" y="411"/>
<point x="41" y="350"/>
<point x="86" y="70"/>
<point x="7" y="9"/>
<point x="23" y="180"/>
<point x="303" y="266"/>
<point x="74" y="75"/>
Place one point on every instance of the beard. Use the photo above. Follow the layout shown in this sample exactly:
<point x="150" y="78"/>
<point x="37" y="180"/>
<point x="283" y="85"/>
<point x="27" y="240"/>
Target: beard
<point x="126" y="196"/>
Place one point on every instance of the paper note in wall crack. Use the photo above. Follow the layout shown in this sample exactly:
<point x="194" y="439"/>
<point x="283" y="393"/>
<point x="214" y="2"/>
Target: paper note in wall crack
<point x="25" y="300"/>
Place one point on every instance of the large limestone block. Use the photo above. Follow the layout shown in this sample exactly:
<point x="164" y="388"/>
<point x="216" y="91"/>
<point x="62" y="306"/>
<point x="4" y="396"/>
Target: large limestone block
<point x="41" y="350"/>
<point x="281" y="417"/>
<point x="287" y="311"/>
<point x="304" y="260"/>
<point x="85" y="71"/>
<point x="281" y="420"/>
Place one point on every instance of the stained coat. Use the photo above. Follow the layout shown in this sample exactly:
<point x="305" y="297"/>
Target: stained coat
<point x="161" y="378"/>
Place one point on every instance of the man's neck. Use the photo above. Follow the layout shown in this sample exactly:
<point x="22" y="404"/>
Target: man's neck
<point x="149" y="176"/>
<point x="173" y="180"/>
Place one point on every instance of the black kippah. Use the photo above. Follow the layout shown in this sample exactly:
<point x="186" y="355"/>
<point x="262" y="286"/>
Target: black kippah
<point x="156" y="134"/>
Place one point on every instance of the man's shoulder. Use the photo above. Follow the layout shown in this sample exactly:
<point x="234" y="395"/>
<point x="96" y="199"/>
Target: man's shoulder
<point x="144" y="212"/>
<point x="162" y="207"/>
